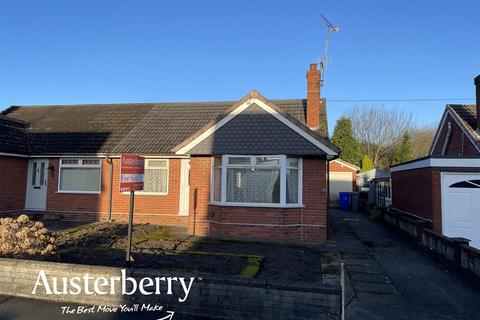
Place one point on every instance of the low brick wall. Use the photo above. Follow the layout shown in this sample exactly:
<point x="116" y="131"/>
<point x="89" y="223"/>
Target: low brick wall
<point x="212" y="298"/>
<point x="454" y="252"/>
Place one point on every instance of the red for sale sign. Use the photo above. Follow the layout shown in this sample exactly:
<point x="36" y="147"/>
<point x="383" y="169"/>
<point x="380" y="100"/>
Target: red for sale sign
<point x="131" y="173"/>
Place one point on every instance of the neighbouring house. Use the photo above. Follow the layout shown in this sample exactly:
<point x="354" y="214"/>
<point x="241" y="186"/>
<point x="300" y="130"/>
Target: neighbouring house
<point x="458" y="133"/>
<point x="364" y="178"/>
<point x="342" y="178"/>
<point x="444" y="187"/>
<point x="248" y="169"/>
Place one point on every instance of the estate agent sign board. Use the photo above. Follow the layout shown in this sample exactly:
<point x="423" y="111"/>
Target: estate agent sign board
<point x="132" y="170"/>
<point x="131" y="179"/>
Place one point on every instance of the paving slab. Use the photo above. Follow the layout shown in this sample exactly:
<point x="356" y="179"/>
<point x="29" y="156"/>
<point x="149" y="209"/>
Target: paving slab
<point x="392" y="278"/>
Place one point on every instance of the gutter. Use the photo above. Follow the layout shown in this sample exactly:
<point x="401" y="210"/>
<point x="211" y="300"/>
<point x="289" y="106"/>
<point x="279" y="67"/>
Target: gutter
<point x="110" y="194"/>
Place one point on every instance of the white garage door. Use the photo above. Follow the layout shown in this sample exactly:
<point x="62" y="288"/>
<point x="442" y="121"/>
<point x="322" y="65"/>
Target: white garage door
<point x="340" y="182"/>
<point x="461" y="206"/>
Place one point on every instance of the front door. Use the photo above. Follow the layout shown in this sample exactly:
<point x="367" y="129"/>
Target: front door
<point x="37" y="179"/>
<point x="184" y="187"/>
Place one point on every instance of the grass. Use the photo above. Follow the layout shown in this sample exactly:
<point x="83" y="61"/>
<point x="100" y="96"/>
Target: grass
<point x="162" y="234"/>
<point x="252" y="268"/>
<point x="78" y="229"/>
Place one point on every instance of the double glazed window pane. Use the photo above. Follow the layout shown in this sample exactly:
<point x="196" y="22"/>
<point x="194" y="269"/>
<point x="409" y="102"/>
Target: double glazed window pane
<point x="155" y="180"/>
<point x="253" y="185"/>
<point x="80" y="179"/>
<point x="268" y="161"/>
<point x="292" y="185"/>
<point x="243" y="161"/>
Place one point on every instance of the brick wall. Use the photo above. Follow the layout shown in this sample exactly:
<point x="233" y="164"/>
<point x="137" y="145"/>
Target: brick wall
<point x="412" y="192"/>
<point x="159" y="209"/>
<point x="271" y="224"/>
<point x="210" y="297"/>
<point x="13" y="185"/>
<point x="419" y="192"/>
<point x="459" y="143"/>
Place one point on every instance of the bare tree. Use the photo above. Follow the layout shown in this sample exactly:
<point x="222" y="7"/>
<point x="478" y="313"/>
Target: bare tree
<point x="422" y="137"/>
<point x="378" y="128"/>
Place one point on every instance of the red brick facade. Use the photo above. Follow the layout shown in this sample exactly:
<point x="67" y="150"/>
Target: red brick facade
<point x="269" y="224"/>
<point x="419" y="192"/>
<point x="159" y="209"/>
<point x="308" y="223"/>
<point x="14" y="179"/>
<point x="459" y="143"/>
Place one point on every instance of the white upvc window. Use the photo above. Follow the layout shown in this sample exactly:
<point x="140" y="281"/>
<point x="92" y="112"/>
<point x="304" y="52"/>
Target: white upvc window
<point x="155" y="178"/>
<point x="80" y="175"/>
<point x="265" y="180"/>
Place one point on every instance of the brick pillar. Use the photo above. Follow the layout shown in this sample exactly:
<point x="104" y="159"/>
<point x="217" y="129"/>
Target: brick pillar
<point x="200" y="168"/>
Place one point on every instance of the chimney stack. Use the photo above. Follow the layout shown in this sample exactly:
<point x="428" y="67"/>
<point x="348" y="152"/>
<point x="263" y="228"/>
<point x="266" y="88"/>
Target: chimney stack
<point x="477" y="90"/>
<point x="313" y="97"/>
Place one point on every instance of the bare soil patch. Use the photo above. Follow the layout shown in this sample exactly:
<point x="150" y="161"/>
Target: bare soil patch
<point x="165" y="248"/>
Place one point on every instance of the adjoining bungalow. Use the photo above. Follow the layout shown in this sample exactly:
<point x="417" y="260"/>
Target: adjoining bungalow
<point x="342" y="178"/>
<point x="251" y="169"/>
<point x="444" y="187"/>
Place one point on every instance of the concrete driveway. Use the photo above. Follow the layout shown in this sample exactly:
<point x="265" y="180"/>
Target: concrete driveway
<point x="393" y="279"/>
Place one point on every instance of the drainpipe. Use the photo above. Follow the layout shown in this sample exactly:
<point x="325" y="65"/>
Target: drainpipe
<point x="447" y="138"/>
<point x="110" y="194"/>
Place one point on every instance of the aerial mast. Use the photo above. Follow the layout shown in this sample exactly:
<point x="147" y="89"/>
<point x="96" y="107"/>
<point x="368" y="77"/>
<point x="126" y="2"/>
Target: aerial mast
<point x="324" y="61"/>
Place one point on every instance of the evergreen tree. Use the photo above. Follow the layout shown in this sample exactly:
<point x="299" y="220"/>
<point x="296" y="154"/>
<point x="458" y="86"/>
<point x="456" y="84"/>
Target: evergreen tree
<point x="403" y="152"/>
<point x="344" y="139"/>
<point x="367" y="163"/>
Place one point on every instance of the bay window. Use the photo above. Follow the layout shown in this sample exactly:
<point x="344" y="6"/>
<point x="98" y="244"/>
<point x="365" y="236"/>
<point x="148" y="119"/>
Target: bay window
<point x="79" y="176"/>
<point x="256" y="180"/>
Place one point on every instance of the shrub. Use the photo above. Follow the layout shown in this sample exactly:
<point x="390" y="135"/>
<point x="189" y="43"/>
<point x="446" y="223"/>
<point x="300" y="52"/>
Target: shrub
<point x="24" y="238"/>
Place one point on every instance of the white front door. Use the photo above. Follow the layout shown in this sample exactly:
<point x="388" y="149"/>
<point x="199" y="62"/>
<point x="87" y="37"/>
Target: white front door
<point x="37" y="179"/>
<point x="461" y="206"/>
<point x="184" y="187"/>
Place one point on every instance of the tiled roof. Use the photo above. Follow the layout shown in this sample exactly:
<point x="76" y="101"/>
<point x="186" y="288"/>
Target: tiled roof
<point x="13" y="136"/>
<point x="255" y="131"/>
<point x="148" y="128"/>
<point x="467" y="114"/>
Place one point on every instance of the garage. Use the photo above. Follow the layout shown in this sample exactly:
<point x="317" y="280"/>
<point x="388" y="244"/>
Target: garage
<point x="442" y="190"/>
<point x="461" y="206"/>
<point x="342" y="178"/>
<point x="340" y="182"/>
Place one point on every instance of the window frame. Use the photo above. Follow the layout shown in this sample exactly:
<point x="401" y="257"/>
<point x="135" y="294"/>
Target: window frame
<point x="80" y="165"/>
<point x="283" y="181"/>
<point x="147" y="166"/>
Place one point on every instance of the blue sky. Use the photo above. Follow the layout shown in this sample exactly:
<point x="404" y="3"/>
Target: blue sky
<point x="90" y="51"/>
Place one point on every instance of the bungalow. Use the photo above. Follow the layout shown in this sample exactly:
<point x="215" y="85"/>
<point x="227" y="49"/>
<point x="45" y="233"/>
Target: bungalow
<point x="251" y="169"/>
<point x="444" y="187"/>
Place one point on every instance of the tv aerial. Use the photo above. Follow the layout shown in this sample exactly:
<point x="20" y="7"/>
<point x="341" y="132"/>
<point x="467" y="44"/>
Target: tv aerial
<point x="323" y="63"/>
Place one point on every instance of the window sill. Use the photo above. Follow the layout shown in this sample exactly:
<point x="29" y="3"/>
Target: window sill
<point x="139" y="193"/>
<point x="78" y="192"/>
<point x="257" y="205"/>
